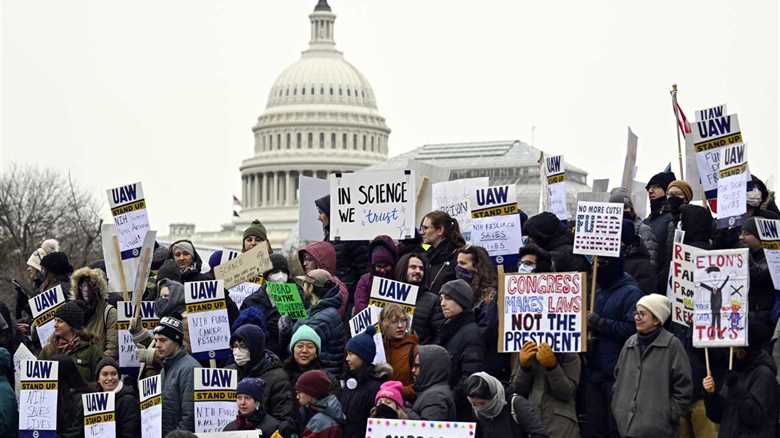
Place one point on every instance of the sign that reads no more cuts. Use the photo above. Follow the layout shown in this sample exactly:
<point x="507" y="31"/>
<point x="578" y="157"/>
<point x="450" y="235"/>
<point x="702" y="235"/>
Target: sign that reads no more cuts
<point x="207" y="319"/>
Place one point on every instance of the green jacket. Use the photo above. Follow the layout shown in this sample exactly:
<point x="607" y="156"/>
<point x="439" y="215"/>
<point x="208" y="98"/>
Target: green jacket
<point x="86" y="355"/>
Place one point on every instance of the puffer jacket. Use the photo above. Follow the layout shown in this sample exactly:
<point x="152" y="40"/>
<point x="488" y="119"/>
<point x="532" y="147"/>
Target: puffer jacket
<point x="177" y="385"/>
<point x="102" y="323"/>
<point x="325" y="255"/>
<point x="463" y="340"/>
<point x="658" y="221"/>
<point x="193" y="272"/>
<point x="260" y="300"/>
<point x="647" y="237"/>
<point x="128" y="417"/>
<point x="400" y="356"/>
<point x="428" y="318"/>
<point x="9" y="414"/>
<point x="363" y="288"/>
<point x="325" y="320"/>
<point x="325" y="418"/>
<point x="357" y="396"/>
<point x="440" y="267"/>
<point x="435" y="401"/>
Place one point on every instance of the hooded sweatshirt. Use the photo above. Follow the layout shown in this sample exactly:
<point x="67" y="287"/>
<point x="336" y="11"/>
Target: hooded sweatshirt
<point x="363" y="289"/>
<point x="324" y="253"/>
<point x="192" y="272"/>
<point x="100" y="319"/>
<point x="435" y="401"/>
<point x="8" y="409"/>
<point x="327" y="418"/>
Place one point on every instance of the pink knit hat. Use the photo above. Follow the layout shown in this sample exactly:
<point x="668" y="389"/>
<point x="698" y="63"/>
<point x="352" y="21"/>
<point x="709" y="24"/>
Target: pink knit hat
<point x="391" y="390"/>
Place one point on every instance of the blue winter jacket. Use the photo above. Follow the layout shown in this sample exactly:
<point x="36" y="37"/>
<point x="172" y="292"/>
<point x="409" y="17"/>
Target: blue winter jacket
<point x="325" y="320"/>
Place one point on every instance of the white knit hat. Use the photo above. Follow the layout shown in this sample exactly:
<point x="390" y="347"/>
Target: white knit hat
<point x="658" y="305"/>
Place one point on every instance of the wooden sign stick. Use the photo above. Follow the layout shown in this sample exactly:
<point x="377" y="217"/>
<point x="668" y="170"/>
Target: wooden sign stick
<point x="707" y="360"/>
<point x="122" y="280"/>
<point x="593" y="283"/>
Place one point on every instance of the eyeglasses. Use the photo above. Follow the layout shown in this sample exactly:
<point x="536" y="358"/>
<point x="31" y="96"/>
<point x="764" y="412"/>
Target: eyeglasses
<point x="641" y="314"/>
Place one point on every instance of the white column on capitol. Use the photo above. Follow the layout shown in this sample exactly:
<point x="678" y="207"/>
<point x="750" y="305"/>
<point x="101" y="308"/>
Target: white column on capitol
<point x="250" y="181"/>
<point x="256" y="191"/>
<point x="264" y="193"/>
<point x="273" y="189"/>
<point x="243" y="188"/>
<point x="288" y="194"/>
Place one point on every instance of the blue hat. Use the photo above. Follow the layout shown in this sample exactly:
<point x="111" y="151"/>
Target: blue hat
<point x="215" y="259"/>
<point x="363" y="345"/>
<point x="253" y="387"/>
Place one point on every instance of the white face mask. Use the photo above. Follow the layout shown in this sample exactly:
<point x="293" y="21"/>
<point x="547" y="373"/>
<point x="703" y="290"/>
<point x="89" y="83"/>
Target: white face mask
<point x="754" y="197"/>
<point x="278" y="277"/>
<point x="241" y="356"/>
<point x="525" y="269"/>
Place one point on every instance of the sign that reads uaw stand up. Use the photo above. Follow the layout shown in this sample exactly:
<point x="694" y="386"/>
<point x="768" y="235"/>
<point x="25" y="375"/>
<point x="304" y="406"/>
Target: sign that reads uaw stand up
<point x="99" y="415"/>
<point x="384" y="290"/>
<point x="214" y="398"/>
<point x="555" y="174"/>
<point x="368" y="204"/>
<point x="207" y="319"/>
<point x="721" y="298"/>
<point x="732" y="186"/>
<point x="43" y="307"/>
<point x="495" y="220"/>
<point x="598" y="228"/>
<point x="150" y="392"/>
<point x="769" y="234"/>
<point x="38" y="399"/>
<point x="128" y="207"/>
<point x="128" y="353"/>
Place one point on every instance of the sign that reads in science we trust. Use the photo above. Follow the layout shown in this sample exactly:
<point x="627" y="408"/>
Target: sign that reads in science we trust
<point x="368" y="204"/>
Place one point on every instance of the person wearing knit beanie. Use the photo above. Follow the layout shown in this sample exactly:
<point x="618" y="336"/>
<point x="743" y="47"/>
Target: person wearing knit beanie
<point x="391" y="390"/>
<point x="543" y="227"/>
<point x="72" y="314"/>
<point x="749" y="237"/>
<point x="680" y="188"/>
<point x="305" y="333"/>
<point x="362" y="346"/>
<point x="458" y="291"/>
<point x="110" y="379"/>
<point x="254" y="234"/>
<point x="315" y="383"/>
<point x="656" y="304"/>
<point x="660" y="180"/>
<point x="253" y="387"/>
<point x="56" y="263"/>
<point x="172" y="328"/>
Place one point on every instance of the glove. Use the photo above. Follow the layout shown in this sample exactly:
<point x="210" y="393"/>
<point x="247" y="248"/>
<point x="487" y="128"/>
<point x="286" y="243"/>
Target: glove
<point x="546" y="357"/>
<point x="527" y="354"/>
<point x="135" y="326"/>
<point x="595" y="321"/>
<point x="285" y="326"/>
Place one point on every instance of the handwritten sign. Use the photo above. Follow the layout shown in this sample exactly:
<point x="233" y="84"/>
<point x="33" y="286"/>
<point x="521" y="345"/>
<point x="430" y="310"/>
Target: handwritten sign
<point x="364" y="319"/>
<point x="455" y="198"/>
<point x="246" y="267"/>
<point x="555" y="175"/>
<point x="99" y="415"/>
<point x="769" y="234"/>
<point x="380" y="428"/>
<point x="128" y="207"/>
<point x="241" y="291"/>
<point x="214" y="397"/>
<point x="682" y="284"/>
<point x="598" y="228"/>
<point x="287" y="299"/>
<point x="499" y="235"/>
<point x="494" y="201"/>
<point x="721" y="298"/>
<point x="543" y="308"/>
<point x="43" y="307"/>
<point x="38" y="399"/>
<point x="309" y="190"/>
<point x="128" y="353"/>
<point x="22" y="354"/>
<point x="207" y="319"/>
<point x="732" y="186"/>
<point x="369" y="204"/>
<point x="150" y="391"/>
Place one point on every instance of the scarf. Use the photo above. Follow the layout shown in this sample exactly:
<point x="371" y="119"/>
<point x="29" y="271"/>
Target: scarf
<point x="645" y="339"/>
<point x="497" y="403"/>
<point x="66" y="346"/>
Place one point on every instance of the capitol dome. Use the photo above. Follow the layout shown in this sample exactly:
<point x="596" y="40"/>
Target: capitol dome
<point x="321" y="117"/>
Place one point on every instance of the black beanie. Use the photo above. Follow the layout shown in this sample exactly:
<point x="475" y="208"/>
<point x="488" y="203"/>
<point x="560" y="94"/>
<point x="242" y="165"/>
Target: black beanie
<point x="72" y="313"/>
<point x="323" y="204"/>
<point x="662" y="180"/>
<point x="105" y="362"/>
<point x="57" y="263"/>
<point x="172" y="328"/>
<point x="543" y="227"/>
<point x="460" y="292"/>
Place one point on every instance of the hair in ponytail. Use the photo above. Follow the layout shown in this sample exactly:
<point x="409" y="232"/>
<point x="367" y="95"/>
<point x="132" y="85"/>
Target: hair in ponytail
<point x="450" y="225"/>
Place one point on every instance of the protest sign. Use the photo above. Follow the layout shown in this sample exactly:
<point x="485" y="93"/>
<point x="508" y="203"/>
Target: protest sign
<point x="207" y="319"/>
<point x="369" y="204"/>
<point x="732" y="186"/>
<point x="381" y="428"/>
<point x="128" y="207"/>
<point x="239" y="292"/>
<point x="494" y="201"/>
<point x="287" y="299"/>
<point x="150" y="391"/>
<point x="721" y="298"/>
<point x="22" y="354"/>
<point x="555" y="175"/>
<point x="455" y="199"/>
<point x="38" y="399"/>
<point x="128" y="354"/>
<point x="601" y="186"/>
<point x="769" y="234"/>
<point x="629" y="165"/>
<point x="542" y="308"/>
<point x="309" y="190"/>
<point x="598" y="228"/>
<point x="364" y="319"/>
<point x="214" y="398"/>
<point x="385" y="290"/>
<point x="238" y="434"/>
<point x="682" y="286"/>
<point x="118" y="271"/>
<point x="99" y="414"/>
<point x="43" y="307"/>
<point x="495" y="220"/>
<point x="246" y="267"/>
<point x="227" y="255"/>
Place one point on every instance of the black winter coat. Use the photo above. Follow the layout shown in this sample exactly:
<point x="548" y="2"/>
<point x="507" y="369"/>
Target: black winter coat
<point x="128" y="417"/>
<point x="260" y="299"/>
<point x="257" y="420"/>
<point x="639" y="265"/>
<point x="351" y="260"/>
<point x="357" y="402"/>
<point x="564" y="260"/>
<point x="462" y="338"/>
<point x="526" y="422"/>
<point x="428" y="319"/>
<point x="440" y="267"/>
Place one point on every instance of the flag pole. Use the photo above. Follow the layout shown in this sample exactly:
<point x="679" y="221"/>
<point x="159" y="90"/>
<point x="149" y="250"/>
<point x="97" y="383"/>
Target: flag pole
<point x="677" y="124"/>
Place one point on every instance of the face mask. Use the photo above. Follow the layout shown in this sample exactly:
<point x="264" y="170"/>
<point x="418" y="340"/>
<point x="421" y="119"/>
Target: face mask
<point x="525" y="269"/>
<point x="384" y="411"/>
<point x="385" y="273"/>
<point x="675" y="203"/>
<point x="754" y="197"/>
<point x="241" y="356"/>
<point x="278" y="277"/>
<point x="463" y="274"/>
<point x="657" y="204"/>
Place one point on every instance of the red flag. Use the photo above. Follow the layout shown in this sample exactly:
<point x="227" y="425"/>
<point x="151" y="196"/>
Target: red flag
<point x="682" y="121"/>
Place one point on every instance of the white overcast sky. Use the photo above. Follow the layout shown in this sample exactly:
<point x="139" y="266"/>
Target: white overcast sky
<point x="166" y="92"/>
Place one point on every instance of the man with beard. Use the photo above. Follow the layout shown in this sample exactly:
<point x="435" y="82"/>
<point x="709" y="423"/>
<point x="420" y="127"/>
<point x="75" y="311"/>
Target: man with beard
<point x="428" y="318"/>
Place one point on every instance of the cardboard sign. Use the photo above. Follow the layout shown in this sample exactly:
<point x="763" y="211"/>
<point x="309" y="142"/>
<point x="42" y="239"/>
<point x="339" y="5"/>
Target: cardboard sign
<point x="543" y="308"/>
<point x="22" y="354"/>
<point x="732" y="186"/>
<point x="309" y="190"/>
<point x="287" y="299"/>
<point x="769" y="234"/>
<point x="38" y="399"/>
<point x="380" y="428"/>
<point x="494" y="201"/>
<point x="455" y="199"/>
<point x="721" y="298"/>
<point x="369" y="204"/>
<point x="364" y="319"/>
<point x="207" y="319"/>
<point x="598" y="228"/>
<point x="214" y="397"/>
<point x="128" y="207"/>
<point x="99" y="415"/>
<point x="43" y="307"/>
<point x="682" y="286"/>
<point x="150" y="391"/>
<point x="128" y="352"/>
<point x="499" y="235"/>
<point x="555" y="175"/>
<point x="241" y="291"/>
<point x="246" y="267"/>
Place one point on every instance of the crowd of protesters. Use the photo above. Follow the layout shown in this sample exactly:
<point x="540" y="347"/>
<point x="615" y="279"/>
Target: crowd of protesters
<point x="641" y="375"/>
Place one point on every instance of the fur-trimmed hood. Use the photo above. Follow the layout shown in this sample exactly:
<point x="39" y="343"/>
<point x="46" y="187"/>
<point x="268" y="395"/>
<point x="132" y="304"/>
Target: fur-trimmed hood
<point x="95" y="275"/>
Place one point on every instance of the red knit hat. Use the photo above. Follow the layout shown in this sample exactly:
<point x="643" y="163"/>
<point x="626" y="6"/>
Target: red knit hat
<point x="314" y="383"/>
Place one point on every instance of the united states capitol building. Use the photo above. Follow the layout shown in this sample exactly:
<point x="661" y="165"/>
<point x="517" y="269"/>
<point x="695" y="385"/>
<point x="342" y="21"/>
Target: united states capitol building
<point x="322" y="117"/>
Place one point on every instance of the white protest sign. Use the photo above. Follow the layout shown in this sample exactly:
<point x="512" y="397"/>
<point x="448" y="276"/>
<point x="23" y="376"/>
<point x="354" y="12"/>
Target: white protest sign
<point x="364" y="319"/>
<point x="99" y="414"/>
<point x="769" y="234"/>
<point x="455" y="198"/>
<point x="712" y="131"/>
<point x="239" y="292"/>
<point x="369" y="204"/>
<point x="22" y="354"/>
<point x="246" y="267"/>
<point x="214" y="397"/>
<point x="555" y="173"/>
<point x="118" y="271"/>
<point x="732" y="186"/>
<point x="543" y="308"/>
<point x="150" y="391"/>
<point x="494" y="201"/>
<point x="43" y="307"/>
<point x="381" y="428"/>
<point x="721" y="298"/>
<point x="682" y="287"/>
<point x="496" y="222"/>
<point x="128" y="207"/>
<point x="309" y="190"/>
<point x="128" y="353"/>
<point x="207" y="318"/>
<point x="38" y="399"/>
<point x="385" y="290"/>
<point x="629" y="166"/>
<point x="598" y="228"/>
